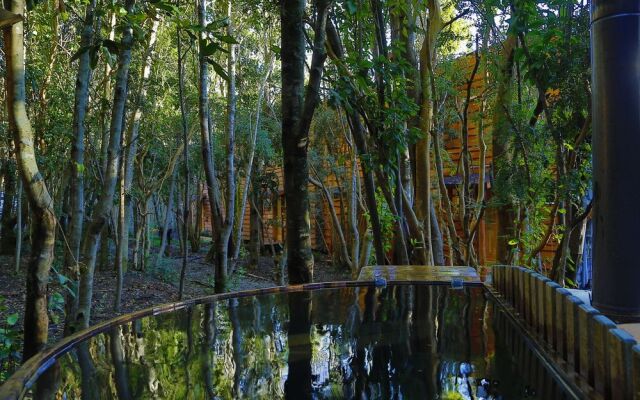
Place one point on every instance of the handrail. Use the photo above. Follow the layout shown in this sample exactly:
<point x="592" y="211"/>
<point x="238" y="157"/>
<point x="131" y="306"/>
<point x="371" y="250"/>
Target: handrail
<point x="590" y="344"/>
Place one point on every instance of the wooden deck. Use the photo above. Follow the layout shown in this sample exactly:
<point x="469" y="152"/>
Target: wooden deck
<point x="419" y="273"/>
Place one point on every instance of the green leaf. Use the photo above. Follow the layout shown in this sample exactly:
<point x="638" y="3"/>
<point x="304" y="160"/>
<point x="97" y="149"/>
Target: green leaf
<point x="513" y="242"/>
<point x="12" y="319"/>
<point x="207" y="49"/>
<point x="227" y="39"/>
<point x="219" y="70"/>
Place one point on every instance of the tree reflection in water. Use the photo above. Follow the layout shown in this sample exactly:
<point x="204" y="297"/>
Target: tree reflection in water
<point x="402" y="341"/>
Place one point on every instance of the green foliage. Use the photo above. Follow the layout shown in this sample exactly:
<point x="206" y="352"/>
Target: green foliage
<point x="10" y="342"/>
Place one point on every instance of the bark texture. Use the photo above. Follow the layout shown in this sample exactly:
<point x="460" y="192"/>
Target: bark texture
<point x="297" y="111"/>
<point x="103" y="209"/>
<point x="36" y="319"/>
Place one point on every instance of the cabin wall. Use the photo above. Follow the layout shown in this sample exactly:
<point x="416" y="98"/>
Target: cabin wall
<point x="479" y="134"/>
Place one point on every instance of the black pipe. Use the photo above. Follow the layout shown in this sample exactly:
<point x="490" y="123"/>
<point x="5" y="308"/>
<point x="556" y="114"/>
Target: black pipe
<point x="615" y="61"/>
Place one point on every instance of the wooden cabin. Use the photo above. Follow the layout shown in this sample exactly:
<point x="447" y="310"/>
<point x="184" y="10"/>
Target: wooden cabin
<point x="273" y="215"/>
<point x="322" y="234"/>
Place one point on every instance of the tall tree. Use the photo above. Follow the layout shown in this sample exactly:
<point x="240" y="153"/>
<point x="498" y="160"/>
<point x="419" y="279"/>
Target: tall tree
<point x="297" y="112"/>
<point x="222" y="212"/>
<point x="77" y="167"/>
<point x="36" y="319"/>
<point x="103" y="209"/>
<point x="131" y="143"/>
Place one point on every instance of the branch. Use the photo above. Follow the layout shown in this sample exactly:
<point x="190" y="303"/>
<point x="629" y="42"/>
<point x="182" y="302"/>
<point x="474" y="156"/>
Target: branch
<point x="454" y="19"/>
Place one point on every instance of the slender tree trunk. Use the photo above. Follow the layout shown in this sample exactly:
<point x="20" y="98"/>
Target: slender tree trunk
<point x="255" y="225"/>
<point x="343" y="249"/>
<point x="167" y="218"/>
<point x="185" y="160"/>
<point x="425" y="123"/>
<point x="104" y="109"/>
<point x="213" y="189"/>
<point x="437" y="243"/>
<point x="249" y="170"/>
<point x="18" y="258"/>
<point x="501" y="147"/>
<point x="7" y="235"/>
<point x="222" y="268"/>
<point x="131" y="145"/>
<point x="36" y="320"/>
<point x="122" y="245"/>
<point x="104" y="141"/>
<point x="102" y="211"/>
<point x="336" y="52"/>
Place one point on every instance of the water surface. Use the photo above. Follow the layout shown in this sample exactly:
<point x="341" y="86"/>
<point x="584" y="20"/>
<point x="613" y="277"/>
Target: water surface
<point x="398" y="342"/>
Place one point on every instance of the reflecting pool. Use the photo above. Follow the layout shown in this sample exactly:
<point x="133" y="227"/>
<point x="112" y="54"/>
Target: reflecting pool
<point x="396" y="342"/>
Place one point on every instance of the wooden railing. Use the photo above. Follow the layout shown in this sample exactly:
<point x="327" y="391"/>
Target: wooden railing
<point x="586" y="342"/>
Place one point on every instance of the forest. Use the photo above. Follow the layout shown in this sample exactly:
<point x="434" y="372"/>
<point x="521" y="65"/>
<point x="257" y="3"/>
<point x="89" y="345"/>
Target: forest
<point x="157" y="150"/>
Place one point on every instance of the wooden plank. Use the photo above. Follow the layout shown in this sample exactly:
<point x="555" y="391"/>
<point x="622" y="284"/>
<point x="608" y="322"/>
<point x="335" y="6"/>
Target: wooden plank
<point x="419" y="273"/>
<point x="538" y="304"/>
<point x="601" y="327"/>
<point x="508" y="284"/>
<point x="620" y="343"/>
<point x="497" y="277"/>
<point x="571" y="332"/>
<point x="541" y="305"/>
<point x="528" y="317"/>
<point x="561" y="322"/>
<point x="550" y="312"/>
<point x="586" y="367"/>
<point x="535" y="295"/>
<point x="636" y="371"/>
<point x="519" y="282"/>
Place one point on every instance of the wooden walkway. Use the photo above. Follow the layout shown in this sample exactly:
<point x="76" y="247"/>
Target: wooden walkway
<point x="419" y="273"/>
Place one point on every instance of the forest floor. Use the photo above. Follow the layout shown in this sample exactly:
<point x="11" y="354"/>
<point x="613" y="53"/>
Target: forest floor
<point x="156" y="285"/>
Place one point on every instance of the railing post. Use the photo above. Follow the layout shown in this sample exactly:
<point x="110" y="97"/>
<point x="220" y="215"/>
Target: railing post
<point x="615" y="57"/>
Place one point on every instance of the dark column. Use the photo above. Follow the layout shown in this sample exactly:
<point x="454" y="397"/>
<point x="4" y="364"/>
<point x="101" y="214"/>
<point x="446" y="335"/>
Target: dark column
<point x="615" y="59"/>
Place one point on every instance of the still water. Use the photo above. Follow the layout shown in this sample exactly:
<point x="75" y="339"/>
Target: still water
<point x="397" y="342"/>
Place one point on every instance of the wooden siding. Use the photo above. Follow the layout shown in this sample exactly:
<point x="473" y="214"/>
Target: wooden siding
<point x="322" y="233"/>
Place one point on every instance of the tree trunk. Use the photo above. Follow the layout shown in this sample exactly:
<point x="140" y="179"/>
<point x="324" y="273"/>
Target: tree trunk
<point x="18" y="258"/>
<point x="131" y="145"/>
<point x="254" y="221"/>
<point x="36" y="320"/>
<point x="249" y="170"/>
<point x="501" y="148"/>
<point x="437" y="243"/>
<point x="167" y="218"/>
<point x="425" y="123"/>
<point x="357" y="131"/>
<point x="104" y="109"/>
<point x="7" y="235"/>
<point x="296" y="120"/>
<point x="185" y="159"/>
<point x="213" y="188"/>
<point x="102" y="211"/>
<point x="222" y="268"/>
